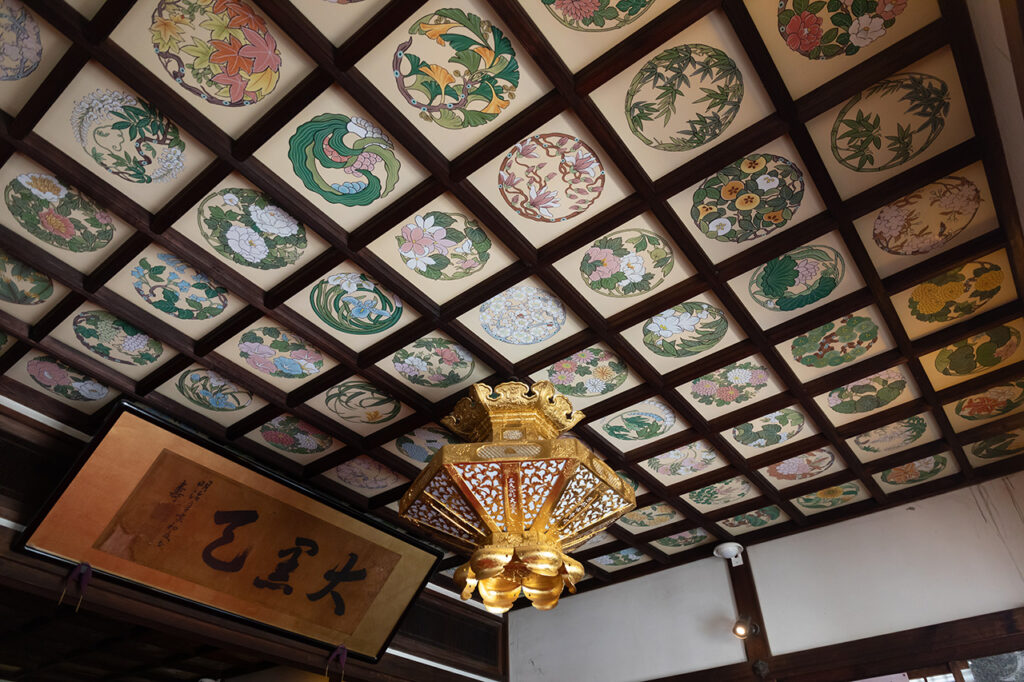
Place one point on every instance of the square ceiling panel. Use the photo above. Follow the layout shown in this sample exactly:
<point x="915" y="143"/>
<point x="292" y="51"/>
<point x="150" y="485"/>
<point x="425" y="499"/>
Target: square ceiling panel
<point x="893" y="125"/>
<point x="226" y="59"/>
<point x="879" y="391"/>
<point x="898" y="436"/>
<point x="57" y="217"/>
<point x="245" y="228"/>
<point x="994" y="402"/>
<point x="626" y="265"/>
<point x="589" y="376"/>
<point x="813" y="42"/>
<point x="930" y="220"/>
<point x="123" y="138"/>
<point x="360" y="405"/>
<point x="552" y="180"/>
<point x="975" y="355"/>
<point x="839" y="343"/>
<point x="803" y="467"/>
<point x="117" y="343"/>
<point x="684" y="333"/>
<point x="352" y="307"/>
<point x="762" y="194"/>
<point x="336" y="155"/>
<point x="276" y="355"/>
<point x="29" y="58"/>
<point x="442" y="250"/>
<point x="454" y="71"/>
<point x="434" y="366"/>
<point x="735" y="385"/>
<point x="522" y="320"/>
<point x="696" y="89"/>
<point x="59" y="381"/>
<point x="754" y="520"/>
<point x="212" y="395"/>
<point x="165" y="286"/>
<point x="25" y="293"/>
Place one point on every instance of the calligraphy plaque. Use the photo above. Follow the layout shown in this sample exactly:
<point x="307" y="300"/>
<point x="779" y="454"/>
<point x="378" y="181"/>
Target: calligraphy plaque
<point x="151" y="505"/>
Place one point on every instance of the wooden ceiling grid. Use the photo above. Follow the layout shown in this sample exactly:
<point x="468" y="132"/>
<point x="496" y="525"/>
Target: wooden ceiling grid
<point x="570" y="92"/>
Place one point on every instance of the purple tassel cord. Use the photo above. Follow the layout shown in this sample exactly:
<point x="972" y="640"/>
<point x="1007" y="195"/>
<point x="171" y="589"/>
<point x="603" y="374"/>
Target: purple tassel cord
<point x="340" y="655"/>
<point x="81" y="574"/>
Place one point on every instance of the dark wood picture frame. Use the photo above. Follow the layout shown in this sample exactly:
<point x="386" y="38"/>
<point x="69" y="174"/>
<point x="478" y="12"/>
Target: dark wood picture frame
<point x="22" y="542"/>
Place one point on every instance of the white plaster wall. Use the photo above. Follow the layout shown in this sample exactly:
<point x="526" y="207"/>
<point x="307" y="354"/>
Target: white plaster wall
<point x="674" y="621"/>
<point x="957" y="555"/>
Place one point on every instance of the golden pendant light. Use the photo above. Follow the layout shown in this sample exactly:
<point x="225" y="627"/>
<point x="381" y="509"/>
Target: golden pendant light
<point x="517" y="495"/>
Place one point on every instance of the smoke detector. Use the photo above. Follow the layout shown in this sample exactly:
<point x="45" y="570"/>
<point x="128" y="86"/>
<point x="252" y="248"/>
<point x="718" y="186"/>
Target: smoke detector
<point x="733" y="551"/>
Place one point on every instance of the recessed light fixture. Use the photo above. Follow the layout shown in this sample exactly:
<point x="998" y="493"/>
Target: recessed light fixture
<point x="745" y="627"/>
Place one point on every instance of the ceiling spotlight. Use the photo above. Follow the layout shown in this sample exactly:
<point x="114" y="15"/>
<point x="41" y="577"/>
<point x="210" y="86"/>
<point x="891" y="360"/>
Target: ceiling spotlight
<point x="744" y="627"/>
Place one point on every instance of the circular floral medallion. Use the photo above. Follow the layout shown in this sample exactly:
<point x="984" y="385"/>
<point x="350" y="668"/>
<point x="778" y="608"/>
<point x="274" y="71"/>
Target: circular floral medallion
<point x="686" y="329"/>
<point x="360" y="402"/>
<point x="807" y="465"/>
<point x="481" y="85"/>
<point x="748" y="199"/>
<point x="798" y="278"/>
<point x="957" y="293"/>
<point x="835" y="343"/>
<point x="725" y="492"/>
<point x="444" y="246"/>
<point x="769" y="430"/>
<point x="1003" y="445"/>
<point x="688" y="538"/>
<point x="597" y="15"/>
<point x="826" y="30"/>
<point x="210" y="391"/>
<point x="241" y="225"/>
<point x="869" y="393"/>
<point x="890" y="123"/>
<point x="684" y="461"/>
<point x="65" y="381"/>
<point x="991" y="403"/>
<point x="355" y="304"/>
<point x="20" y="46"/>
<point x="522" y="315"/>
<point x="588" y="373"/>
<point x="434" y="362"/>
<point x="279" y="353"/>
<point x="367" y="473"/>
<point x="423" y="443"/>
<point x="113" y="339"/>
<point x="550" y="177"/>
<point x="735" y="383"/>
<point x="347" y="161"/>
<point x="892" y="436"/>
<point x="628" y="262"/>
<point x="649" y="419"/>
<point x="979" y="352"/>
<point x="293" y="435"/>
<point x="916" y="472"/>
<point x="221" y="52"/>
<point x="174" y="287"/>
<point x="926" y="219"/>
<point x="684" y="97"/>
<point x="56" y="214"/>
<point x="830" y="497"/>
<point x="22" y="284"/>
<point x="754" y="519"/>
<point x="657" y="514"/>
<point x="623" y="557"/>
<point x="128" y="137"/>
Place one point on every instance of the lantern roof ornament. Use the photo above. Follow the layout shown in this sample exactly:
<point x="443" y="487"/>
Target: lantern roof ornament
<point x="518" y="496"/>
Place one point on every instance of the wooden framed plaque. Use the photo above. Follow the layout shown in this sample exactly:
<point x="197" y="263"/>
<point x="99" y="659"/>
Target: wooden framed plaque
<point x="151" y="504"/>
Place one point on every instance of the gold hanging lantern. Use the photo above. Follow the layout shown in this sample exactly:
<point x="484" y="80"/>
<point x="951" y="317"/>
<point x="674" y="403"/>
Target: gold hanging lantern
<point x="517" y="496"/>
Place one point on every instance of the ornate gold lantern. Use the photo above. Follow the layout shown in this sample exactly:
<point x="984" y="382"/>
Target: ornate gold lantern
<point x="517" y="496"/>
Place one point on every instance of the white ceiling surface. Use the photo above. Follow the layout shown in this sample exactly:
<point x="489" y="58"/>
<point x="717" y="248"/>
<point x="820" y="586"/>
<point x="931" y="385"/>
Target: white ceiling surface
<point x="947" y="557"/>
<point x="990" y="32"/>
<point x="669" y="622"/>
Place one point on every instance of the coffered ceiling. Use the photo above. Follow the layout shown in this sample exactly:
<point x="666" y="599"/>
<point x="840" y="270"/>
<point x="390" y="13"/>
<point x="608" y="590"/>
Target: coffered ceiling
<point x="770" y="249"/>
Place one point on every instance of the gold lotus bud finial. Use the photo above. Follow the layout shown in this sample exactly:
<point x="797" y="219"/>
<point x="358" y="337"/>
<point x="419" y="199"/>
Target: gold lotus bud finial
<point x="512" y="411"/>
